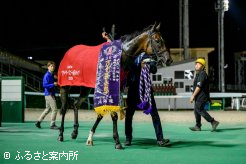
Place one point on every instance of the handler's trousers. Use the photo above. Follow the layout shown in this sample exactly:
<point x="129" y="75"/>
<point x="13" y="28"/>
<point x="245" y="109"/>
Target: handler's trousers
<point x="201" y="112"/>
<point x="50" y="106"/>
<point x="155" y="119"/>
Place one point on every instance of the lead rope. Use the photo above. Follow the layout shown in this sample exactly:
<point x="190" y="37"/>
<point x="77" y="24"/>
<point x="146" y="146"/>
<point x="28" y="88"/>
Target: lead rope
<point x="145" y="90"/>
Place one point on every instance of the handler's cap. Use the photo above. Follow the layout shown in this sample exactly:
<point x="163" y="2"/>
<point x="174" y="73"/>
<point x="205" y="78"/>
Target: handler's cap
<point x="201" y="61"/>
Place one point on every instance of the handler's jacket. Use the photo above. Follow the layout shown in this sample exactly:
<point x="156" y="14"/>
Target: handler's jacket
<point x="133" y="79"/>
<point x="202" y="81"/>
<point x="48" y="84"/>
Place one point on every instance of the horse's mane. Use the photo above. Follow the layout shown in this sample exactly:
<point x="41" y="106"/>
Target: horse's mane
<point x="129" y="37"/>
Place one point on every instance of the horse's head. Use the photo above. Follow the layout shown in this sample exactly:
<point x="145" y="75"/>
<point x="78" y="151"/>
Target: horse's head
<point x="149" y="41"/>
<point x="156" y="47"/>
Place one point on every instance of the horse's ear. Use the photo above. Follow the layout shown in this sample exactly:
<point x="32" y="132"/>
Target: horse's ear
<point x="154" y="27"/>
<point x="158" y="27"/>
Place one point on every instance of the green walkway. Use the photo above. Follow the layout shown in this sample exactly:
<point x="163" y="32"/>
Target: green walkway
<point x="22" y="142"/>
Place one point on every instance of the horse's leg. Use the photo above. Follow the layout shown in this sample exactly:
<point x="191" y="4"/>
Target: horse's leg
<point x="76" y="123"/>
<point x="114" y="117"/>
<point x="64" y="104"/>
<point x="92" y="131"/>
<point x="83" y="95"/>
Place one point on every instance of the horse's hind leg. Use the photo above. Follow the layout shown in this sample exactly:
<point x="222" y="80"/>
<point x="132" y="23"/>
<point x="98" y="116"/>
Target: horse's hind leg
<point x="64" y="105"/>
<point x="76" y="123"/>
<point x="92" y="131"/>
<point x="61" y="129"/>
<point x="83" y="95"/>
<point x="114" y="117"/>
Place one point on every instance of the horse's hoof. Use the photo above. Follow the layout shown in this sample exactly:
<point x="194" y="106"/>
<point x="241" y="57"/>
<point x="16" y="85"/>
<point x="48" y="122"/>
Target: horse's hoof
<point x="118" y="147"/>
<point x="89" y="143"/>
<point x="74" y="135"/>
<point x="60" y="138"/>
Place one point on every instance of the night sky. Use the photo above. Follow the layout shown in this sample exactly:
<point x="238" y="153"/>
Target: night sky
<point x="45" y="29"/>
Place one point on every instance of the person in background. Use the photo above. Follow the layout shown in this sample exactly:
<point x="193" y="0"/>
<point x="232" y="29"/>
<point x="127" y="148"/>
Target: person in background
<point x="201" y="96"/>
<point x="49" y="93"/>
<point x="133" y="99"/>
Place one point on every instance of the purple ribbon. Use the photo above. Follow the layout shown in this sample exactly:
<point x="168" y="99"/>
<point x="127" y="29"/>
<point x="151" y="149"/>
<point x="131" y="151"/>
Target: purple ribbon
<point x="145" y="90"/>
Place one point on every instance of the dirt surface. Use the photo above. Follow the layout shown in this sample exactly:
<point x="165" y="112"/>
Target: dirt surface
<point x="231" y="116"/>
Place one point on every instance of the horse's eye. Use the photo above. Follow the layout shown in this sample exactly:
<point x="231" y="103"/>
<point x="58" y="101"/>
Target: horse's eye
<point x="157" y="40"/>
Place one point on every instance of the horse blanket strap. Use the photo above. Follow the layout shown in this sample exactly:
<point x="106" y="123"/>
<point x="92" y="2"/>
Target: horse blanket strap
<point x="145" y="90"/>
<point x="107" y="90"/>
<point x="79" y="65"/>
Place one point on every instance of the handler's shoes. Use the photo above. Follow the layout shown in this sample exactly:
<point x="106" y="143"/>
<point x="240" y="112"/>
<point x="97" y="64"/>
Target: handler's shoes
<point x="37" y="124"/>
<point x="163" y="142"/>
<point x="214" y="125"/>
<point x="195" y="128"/>
<point x="128" y="143"/>
<point x="54" y="127"/>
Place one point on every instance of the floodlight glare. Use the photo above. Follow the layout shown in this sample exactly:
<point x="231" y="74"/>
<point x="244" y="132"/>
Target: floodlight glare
<point x="226" y="5"/>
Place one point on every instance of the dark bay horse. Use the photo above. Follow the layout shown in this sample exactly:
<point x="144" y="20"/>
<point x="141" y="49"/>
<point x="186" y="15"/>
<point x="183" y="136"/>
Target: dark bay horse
<point x="149" y="41"/>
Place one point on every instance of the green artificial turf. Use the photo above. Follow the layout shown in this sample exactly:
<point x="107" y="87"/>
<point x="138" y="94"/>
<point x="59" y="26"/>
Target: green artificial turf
<point x="23" y="142"/>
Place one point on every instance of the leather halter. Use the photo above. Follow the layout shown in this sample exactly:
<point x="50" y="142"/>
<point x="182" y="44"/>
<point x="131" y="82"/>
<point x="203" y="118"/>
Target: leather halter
<point x="155" y="44"/>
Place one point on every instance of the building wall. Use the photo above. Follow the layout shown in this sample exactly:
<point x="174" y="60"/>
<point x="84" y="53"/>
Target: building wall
<point x="169" y="73"/>
<point x="181" y="74"/>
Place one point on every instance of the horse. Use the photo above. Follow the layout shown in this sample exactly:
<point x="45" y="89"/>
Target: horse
<point x="149" y="40"/>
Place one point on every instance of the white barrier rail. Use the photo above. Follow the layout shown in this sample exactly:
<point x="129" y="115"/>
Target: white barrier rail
<point x="58" y="95"/>
<point x="235" y="97"/>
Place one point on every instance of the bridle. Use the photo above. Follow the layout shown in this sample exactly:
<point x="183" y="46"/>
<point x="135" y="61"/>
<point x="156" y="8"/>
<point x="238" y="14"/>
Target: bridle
<point x="155" y="43"/>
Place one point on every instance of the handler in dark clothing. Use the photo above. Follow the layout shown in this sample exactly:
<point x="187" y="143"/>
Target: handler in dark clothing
<point x="133" y="100"/>
<point x="201" y="96"/>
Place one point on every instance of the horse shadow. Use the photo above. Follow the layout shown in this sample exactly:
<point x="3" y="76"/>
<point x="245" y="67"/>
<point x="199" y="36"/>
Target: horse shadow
<point x="15" y="131"/>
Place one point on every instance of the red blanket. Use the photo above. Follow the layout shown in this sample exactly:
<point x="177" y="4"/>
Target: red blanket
<point x="79" y="65"/>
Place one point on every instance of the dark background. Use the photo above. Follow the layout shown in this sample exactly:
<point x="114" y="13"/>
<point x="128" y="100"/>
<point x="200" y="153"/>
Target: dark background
<point x="46" y="29"/>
